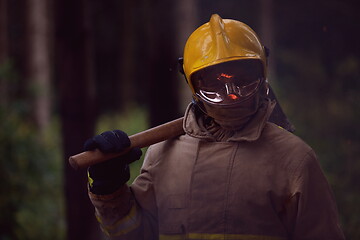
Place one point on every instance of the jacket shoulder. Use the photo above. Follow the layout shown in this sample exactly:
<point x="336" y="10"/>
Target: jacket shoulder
<point x="280" y="137"/>
<point x="287" y="148"/>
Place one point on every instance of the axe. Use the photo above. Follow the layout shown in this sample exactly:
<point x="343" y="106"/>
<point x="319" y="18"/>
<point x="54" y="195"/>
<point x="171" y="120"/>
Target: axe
<point x="142" y="139"/>
<point x="162" y="132"/>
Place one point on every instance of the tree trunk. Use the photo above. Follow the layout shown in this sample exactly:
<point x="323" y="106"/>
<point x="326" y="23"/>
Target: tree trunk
<point x="18" y="87"/>
<point x="163" y="88"/>
<point x="128" y="65"/>
<point x="3" y="31"/>
<point x="107" y="38"/>
<point x="38" y="61"/>
<point x="74" y="66"/>
<point x="187" y="11"/>
<point x="266" y="33"/>
<point x="3" y="50"/>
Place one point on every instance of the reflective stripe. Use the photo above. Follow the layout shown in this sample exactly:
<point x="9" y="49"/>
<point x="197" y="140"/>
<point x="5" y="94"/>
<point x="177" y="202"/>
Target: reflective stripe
<point x="172" y="237"/>
<point x="124" y="225"/>
<point x="208" y="236"/>
<point x="90" y="180"/>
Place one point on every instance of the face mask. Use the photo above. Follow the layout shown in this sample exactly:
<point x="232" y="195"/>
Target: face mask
<point x="232" y="117"/>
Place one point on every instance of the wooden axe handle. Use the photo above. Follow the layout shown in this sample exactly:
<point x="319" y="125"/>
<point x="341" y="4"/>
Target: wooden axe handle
<point x="141" y="139"/>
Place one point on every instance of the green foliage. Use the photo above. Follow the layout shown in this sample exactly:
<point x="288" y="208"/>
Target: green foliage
<point x="133" y="120"/>
<point x="320" y="93"/>
<point x="31" y="202"/>
<point x="31" y="192"/>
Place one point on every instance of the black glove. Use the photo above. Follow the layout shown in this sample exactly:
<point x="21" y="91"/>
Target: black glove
<point x="108" y="176"/>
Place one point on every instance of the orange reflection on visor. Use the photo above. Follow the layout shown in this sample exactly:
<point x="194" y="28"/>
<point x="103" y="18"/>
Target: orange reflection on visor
<point x="233" y="96"/>
<point x="224" y="75"/>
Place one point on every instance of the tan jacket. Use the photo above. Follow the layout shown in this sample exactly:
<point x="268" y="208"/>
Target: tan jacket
<point x="258" y="183"/>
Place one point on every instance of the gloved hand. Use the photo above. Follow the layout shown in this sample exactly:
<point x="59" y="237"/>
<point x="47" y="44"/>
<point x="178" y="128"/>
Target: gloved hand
<point x="108" y="176"/>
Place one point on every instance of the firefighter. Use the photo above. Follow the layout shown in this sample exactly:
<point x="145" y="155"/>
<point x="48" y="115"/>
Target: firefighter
<point x="233" y="174"/>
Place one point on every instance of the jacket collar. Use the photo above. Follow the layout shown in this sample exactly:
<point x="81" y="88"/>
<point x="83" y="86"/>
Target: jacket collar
<point x="198" y="125"/>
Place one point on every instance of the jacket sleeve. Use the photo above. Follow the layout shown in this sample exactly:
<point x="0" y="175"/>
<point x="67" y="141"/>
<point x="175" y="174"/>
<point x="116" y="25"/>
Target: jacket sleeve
<point x="130" y="213"/>
<point x="312" y="204"/>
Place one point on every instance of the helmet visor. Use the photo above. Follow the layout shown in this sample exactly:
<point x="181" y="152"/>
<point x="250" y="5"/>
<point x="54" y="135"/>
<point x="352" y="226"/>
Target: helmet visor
<point x="229" y="82"/>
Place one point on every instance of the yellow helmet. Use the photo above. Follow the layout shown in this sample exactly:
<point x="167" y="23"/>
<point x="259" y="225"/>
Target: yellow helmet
<point x="218" y="41"/>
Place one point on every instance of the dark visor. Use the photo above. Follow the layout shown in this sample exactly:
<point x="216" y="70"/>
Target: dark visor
<point x="228" y="82"/>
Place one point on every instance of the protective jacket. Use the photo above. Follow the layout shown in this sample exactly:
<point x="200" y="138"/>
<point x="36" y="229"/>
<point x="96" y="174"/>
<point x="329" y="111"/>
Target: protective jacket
<point x="261" y="182"/>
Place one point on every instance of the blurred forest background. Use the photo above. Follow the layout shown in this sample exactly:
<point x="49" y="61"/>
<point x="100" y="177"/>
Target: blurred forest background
<point x="71" y="69"/>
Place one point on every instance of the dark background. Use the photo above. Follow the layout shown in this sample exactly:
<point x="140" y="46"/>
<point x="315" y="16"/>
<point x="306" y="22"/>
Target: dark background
<point x="68" y="67"/>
